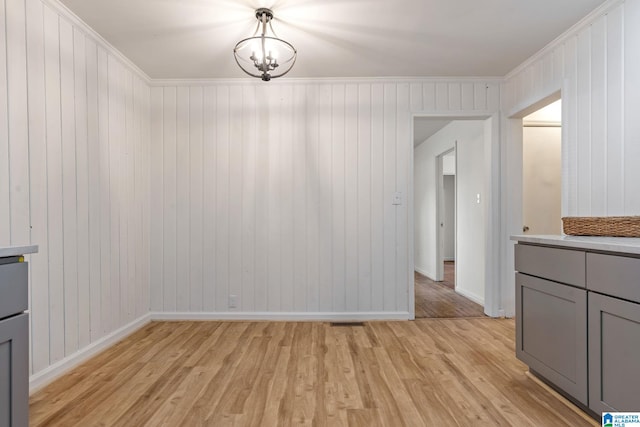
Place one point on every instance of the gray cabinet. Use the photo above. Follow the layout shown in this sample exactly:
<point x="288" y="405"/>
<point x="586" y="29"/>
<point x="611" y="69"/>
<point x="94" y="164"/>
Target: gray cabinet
<point x="14" y="344"/>
<point x="614" y="349"/>
<point x="578" y="322"/>
<point x="559" y="265"/>
<point x="13" y="288"/>
<point x="617" y="276"/>
<point x="14" y="371"/>
<point x="551" y="332"/>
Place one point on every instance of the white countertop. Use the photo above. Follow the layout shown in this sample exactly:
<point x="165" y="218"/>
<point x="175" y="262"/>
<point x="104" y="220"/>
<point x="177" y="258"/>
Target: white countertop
<point x="628" y="245"/>
<point x="18" y="250"/>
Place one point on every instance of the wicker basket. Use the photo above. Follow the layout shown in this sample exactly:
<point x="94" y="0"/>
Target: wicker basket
<point x="614" y="226"/>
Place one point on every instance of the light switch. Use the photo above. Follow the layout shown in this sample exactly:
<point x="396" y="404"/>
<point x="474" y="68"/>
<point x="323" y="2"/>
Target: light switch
<point x="478" y="198"/>
<point x="397" y="198"/>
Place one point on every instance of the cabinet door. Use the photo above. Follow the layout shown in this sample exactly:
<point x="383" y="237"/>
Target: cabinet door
<point x="614" y="354"/>
<point x="551" y="332"/>
<point x="14" y="371"/>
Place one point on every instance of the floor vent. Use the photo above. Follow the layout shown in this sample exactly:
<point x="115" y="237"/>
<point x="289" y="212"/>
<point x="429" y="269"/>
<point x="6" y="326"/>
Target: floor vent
<point x="347" y="323"/>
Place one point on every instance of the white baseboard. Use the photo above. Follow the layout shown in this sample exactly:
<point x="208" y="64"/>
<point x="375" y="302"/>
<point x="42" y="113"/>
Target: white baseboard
<point x="284" y="316"/>
<point x="473" y="297"/>
<point x="46" y="376"/>
<point x="424" y="273"/>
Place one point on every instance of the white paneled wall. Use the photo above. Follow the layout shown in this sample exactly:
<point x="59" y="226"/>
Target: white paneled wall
<point x="281" y="193"/>
<point x="597" y="67"/>
<point x="74" y="133"/>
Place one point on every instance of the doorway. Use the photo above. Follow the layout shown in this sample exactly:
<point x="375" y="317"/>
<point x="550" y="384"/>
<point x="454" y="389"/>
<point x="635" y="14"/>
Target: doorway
<point x="447" y="261"/>
<point x="448" y="219"/>
<point x="542" y="170"/>
<point x="446" y="215"/>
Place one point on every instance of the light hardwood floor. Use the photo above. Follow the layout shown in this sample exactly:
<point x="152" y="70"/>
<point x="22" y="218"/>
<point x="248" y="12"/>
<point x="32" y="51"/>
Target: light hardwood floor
<point x="434" y="372"/>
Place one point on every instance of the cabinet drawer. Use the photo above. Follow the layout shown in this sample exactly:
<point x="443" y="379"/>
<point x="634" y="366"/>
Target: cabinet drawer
<point x="614" y="346"/>
<point x="551" y="332"/>
<point x="13" y="289"/>
<point x="613" y="275"/>
<point x="560" y="265"/>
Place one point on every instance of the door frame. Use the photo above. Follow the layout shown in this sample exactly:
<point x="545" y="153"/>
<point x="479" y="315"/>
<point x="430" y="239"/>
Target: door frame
<point x="512" y="170"/>
<point x="492" y="161"/>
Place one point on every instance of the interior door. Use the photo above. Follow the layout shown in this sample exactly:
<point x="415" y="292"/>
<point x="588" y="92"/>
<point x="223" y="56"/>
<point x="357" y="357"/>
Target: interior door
<point x="541" y="180"/>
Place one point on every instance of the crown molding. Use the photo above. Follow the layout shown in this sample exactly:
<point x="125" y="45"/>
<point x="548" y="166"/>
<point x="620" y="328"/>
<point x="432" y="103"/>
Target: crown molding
<point x="601" y="10"/>
<point x="322" y="80"/>
<point x="66" y="13"/>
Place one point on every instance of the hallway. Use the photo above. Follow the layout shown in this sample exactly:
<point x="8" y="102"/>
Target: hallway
<point x="440" y="300"/>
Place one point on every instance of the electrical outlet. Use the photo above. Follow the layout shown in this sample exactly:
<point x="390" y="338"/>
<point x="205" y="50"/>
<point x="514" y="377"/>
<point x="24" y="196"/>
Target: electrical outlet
<point x="233" y="301"/>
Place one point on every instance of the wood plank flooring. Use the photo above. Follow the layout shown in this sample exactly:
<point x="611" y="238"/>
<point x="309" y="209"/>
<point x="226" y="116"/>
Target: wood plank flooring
<point x="449" y="372"/>
<point x="440" y="300"/>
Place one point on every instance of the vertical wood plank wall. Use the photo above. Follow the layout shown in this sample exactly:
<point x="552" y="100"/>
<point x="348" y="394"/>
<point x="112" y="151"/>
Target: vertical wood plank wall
<point x="598" y="69"/>
<point x="281" y="193"/>
<point x="596" y="66"/>
<point x="74" y="159"/>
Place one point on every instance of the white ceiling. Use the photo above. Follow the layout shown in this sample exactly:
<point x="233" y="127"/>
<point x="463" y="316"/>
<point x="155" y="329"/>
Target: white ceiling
<point x="335" y="38"/>
<point x="424" y="127"/>
<point x="552" y="113"/>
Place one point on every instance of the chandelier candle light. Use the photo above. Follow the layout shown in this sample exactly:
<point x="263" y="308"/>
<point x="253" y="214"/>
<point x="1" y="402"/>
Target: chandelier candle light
<point x="265" y="56"/>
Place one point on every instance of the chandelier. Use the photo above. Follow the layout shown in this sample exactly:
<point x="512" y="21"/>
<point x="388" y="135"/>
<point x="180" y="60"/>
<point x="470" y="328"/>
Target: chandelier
<point x="265" y="55"/>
